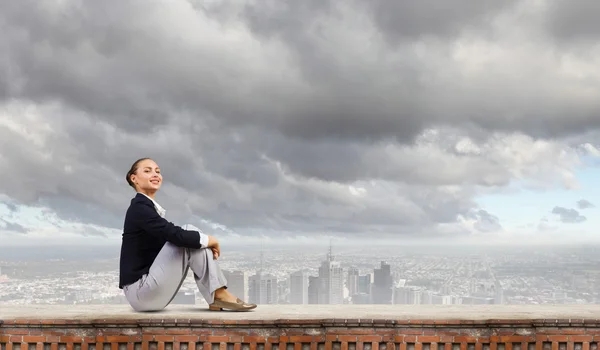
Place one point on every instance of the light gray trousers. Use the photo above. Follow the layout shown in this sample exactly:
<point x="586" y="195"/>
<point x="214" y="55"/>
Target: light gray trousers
<point x="155" y="290"/>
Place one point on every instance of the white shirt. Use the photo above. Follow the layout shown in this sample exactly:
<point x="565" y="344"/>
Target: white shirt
<point x="161" y="211"/>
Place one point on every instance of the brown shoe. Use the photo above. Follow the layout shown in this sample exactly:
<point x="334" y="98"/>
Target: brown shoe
<point x="239" y="305"/>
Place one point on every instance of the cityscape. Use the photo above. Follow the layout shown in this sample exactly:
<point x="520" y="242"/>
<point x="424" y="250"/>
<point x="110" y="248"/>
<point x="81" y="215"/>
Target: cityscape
<point x="328" y="275"/>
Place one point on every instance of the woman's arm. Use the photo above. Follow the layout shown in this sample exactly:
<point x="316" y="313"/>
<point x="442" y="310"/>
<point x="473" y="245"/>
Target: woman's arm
<point x="148" y="219"/>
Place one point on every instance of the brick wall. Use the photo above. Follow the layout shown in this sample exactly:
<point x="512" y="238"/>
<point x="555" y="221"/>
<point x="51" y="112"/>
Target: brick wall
<point x="336" y="334"/>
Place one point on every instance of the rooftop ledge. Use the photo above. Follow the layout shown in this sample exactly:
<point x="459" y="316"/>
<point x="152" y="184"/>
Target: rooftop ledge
<point x="564" y="315"/>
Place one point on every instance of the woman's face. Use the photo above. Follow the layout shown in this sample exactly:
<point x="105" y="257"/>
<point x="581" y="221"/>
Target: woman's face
<point x="147" y="177"/>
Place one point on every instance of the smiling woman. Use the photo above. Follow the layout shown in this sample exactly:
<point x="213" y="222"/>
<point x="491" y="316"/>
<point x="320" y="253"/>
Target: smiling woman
<point x="156" y="254"/>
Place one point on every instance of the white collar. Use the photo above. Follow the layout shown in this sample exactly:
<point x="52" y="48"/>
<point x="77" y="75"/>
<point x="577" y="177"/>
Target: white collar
<point x="160" y="210"/>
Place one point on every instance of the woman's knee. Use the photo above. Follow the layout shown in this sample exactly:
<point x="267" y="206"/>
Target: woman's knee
<point x="203" y="252"/>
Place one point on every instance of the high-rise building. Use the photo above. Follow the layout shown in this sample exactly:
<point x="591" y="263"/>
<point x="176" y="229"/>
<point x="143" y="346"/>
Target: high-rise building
<point x="237" y="283"/>
<point x="364" y="284"/>
<point x="263" y="289"/>
<point x="331" y="281"/>
<point x="382" y="286"/>
<point x="352" y="281"/>
<point x="313" y="289"/>
<point x="498" y="293"/>
<point x="299" y="287"/>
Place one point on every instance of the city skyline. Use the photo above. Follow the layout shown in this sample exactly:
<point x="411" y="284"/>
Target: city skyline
<point x="543" y="275"/>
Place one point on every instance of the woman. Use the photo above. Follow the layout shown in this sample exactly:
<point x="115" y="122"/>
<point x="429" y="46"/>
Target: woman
<point x="156" y="254"/>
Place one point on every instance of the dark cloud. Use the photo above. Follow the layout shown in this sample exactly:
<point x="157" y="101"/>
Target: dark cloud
<point x="584" y="204"/>
<point x="573" y="20"/>
<point x="312" y="79"/>
<point x="408" y="20"/>
<point x="12" y="207"/>
<point x="305" y="116"/>
<point x="567" y="215"/>
<point x="14" y="227"/>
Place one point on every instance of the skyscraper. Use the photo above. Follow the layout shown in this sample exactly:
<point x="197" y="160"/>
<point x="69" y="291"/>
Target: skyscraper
<point x="313" y="289"/>
<point x="352" y="281"/>
<point x="237" y="283"/>
<point x="382" y="286"/>
<point x="331" y="281"/>
<point x="299" y="287"/>
<point x="364" y="284"/>
<point x="263" y="289"/>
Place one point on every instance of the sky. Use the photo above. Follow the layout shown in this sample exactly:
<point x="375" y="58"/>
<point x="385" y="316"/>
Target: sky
<point x="302" y="121"/>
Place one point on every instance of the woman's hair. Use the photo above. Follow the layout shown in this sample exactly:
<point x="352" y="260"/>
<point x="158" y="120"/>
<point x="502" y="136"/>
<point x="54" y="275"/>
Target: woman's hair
<point x="132" y="171"/>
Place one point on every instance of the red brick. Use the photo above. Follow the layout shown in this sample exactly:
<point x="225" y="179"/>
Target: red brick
<point x="34" y="339"/>
<point x="162" y="338"/>
<point x="558" y="338"/>
<point x="465" y="339"/>
<point x="410" y="338"/>
<point x="580" y="338"/>
<point x="566" y="331"/>
<point x="236" y="339"/>
<point x="410" y="331"/>
<point x="358" y="331"/>
<point x="179" y="331"/>
<point x="388" y="338"/>
<point x="347" y="338"/>
<point x="369" y="338"/>
<point x="217" y="338"/>
<point x="113" y="339"/>
<point x="187" y="338"/>
<point x="428" y="338"/>
<point x="294" y="339"/>
<point x="506" y="332"/>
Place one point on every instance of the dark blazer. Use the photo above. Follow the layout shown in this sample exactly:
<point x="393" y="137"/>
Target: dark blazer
<point x="144" y="234"/>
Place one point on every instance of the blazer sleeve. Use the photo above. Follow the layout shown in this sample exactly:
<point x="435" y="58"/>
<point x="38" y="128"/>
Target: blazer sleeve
<point x="148" y="219"/>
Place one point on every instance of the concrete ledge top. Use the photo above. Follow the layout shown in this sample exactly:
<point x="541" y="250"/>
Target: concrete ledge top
<point x="347" y="314"/>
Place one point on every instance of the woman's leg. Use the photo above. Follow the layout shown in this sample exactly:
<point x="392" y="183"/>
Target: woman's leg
<point x="155" y="290"/>
<point x="207" y="273"/>
<point x="212" y="283"/>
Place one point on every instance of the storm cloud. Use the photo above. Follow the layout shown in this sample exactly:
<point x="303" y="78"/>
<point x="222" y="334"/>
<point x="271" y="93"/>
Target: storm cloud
<point x="270" y="117"/>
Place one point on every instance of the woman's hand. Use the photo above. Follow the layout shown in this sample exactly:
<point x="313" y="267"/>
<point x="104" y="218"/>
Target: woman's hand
<point x="213" y="244"/>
